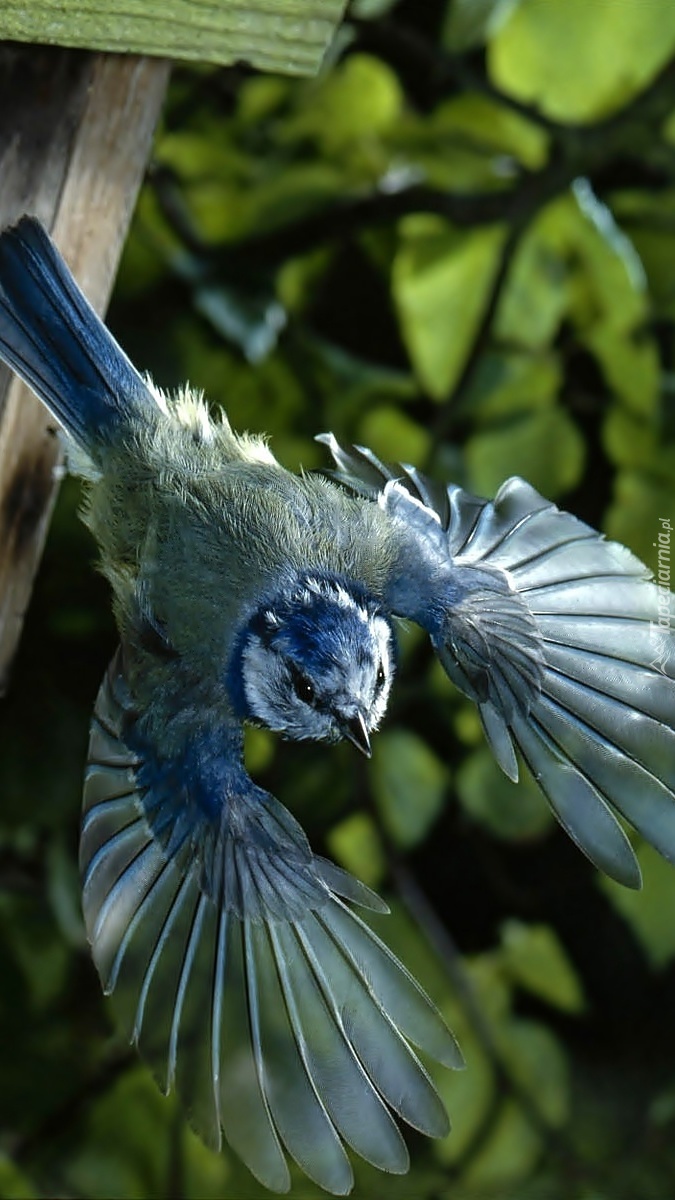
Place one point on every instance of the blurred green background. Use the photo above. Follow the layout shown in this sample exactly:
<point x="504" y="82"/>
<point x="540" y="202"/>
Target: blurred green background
<point x="456" y="246"/>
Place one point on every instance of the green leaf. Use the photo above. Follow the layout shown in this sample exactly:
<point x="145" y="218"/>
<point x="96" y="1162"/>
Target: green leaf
<point x="336" y="115"/>
<point x="650" y="219"/>
<point x="535" y="960"/>
<point x="466" y="720"/>
<point x="577" y="60"/>
<point x="537" y="1060"/>
<point x="441" y="284"/>
<point x="546" y="448"/>
<point x="469" y="23"/>
<point x="494" y="990"/>
<point x="649" y="911"/>
<point x="475" y="121"/>
<point x="278" y="198"/>
<point x="298" y="278"/>
<point x="512" y="1146"/>
<point x="228" y="195"/>
<point x="635" y="517"/>
<point x="368" y="9"/>
<point x="630" y="365"/>
<point x="259" y="748"/>
<point x="351" y="386"/>
<point x="508" y="1154"/>
<point x="467" y="1095"/>
<point x="64" y="890"/>
<point x="14" y="1183"/>
<point x="600" y="217"/>
<point x="593" y="261"/>
<point x="124" y="1152"/>
<point x="630" y="441"/>
<point x="627" y="440"/>
<point x="258" y="99"/>
<point x="356" y="844"/>
<point x="394" y="436"/>
<point x="409" y="784"/>
<point x="507" y="383"/>
<point x="515" y="812"/>
<point x="195" y="155"/>
<point x="452" y="151"/>
<point x="533" y="305"/>
<point x="41" y="954"/>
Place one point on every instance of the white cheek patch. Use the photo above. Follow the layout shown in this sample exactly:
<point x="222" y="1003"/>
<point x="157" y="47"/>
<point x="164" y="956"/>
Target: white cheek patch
<point x="383" y="640"/>
<point x="273" y="702"/>
<point x="261" y="680"/>
<point x="383" y="635"/>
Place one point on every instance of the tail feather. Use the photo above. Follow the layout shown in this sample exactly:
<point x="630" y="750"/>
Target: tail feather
<point x="53" y="339"/>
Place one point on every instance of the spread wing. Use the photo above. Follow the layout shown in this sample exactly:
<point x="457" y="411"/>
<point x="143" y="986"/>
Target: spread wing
<point x="559" y="636"/>
<point x="239" y="967"/>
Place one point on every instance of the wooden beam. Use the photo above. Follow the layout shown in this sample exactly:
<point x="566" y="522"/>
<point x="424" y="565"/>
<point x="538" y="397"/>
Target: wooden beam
<point x="290" y="36"/>
<point x="75" y="134"/>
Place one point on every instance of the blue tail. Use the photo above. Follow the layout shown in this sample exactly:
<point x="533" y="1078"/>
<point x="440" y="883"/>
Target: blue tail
<point x="51" y="336"/>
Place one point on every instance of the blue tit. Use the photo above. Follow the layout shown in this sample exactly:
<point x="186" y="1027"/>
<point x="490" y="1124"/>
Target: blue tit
<point x="238" y="961"/>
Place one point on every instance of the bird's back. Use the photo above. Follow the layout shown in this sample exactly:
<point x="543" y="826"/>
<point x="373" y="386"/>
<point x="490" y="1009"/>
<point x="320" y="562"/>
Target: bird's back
<point x="206" y="520"/>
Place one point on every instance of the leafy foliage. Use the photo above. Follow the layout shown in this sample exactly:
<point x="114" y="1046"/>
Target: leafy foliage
<point x="457" y="246"/>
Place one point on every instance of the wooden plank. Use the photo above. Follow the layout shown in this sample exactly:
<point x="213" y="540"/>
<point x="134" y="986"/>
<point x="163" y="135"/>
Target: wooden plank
<point x="289" y="36"/>
<point x="75" y="134"/>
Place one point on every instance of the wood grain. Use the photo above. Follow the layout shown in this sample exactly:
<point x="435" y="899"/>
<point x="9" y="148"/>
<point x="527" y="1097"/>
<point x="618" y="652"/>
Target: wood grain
<point x="75" y="134"/>
<point x="290" y="36"/>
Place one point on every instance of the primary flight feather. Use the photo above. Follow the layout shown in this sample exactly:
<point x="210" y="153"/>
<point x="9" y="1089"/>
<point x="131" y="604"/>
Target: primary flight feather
<point x="238" y="960"/>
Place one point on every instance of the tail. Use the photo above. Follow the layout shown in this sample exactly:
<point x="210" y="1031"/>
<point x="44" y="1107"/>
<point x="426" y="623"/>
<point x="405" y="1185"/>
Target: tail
<point x="242" y="973"/>
<point x="53" y="339"/>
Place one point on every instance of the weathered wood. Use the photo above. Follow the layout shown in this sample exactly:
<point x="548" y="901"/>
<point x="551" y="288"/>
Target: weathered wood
<point x="75" y="133"/>
<point x="275" y="35"/>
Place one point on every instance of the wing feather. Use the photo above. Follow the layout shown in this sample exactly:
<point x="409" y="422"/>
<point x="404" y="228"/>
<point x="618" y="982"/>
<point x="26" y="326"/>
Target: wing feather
<point x="560" y="637"/>
<point x="296" y="1106"/>
<point x="351" y="1098"/>
<point x="245" y="980"/>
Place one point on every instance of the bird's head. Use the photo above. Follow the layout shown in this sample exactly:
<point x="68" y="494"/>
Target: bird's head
<point x="316" y="661"/>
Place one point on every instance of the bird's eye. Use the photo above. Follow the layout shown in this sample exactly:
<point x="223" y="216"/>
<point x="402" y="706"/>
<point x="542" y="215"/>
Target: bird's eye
<point x="380" y="678"/>
<point x="302" y="686"/>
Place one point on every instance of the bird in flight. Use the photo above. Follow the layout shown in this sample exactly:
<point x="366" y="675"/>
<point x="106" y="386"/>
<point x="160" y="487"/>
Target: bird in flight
<point x="239" y="962"/>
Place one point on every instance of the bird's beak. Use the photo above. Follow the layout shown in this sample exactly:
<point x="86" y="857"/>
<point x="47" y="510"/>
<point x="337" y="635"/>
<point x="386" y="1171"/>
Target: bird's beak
<point x="355" y="729"/>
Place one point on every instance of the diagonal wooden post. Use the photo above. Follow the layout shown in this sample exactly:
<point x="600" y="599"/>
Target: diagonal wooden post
<point x="75" y="134"/>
